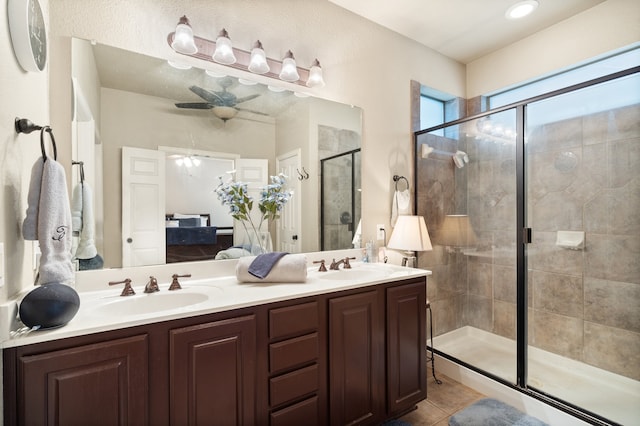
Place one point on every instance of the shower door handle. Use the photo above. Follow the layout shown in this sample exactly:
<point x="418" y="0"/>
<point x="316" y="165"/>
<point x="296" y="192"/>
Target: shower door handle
<point x="526" y="235"/>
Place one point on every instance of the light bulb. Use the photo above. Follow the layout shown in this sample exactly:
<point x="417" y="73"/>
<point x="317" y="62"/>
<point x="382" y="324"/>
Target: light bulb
<point x="224" y="51"/>
<point x="183" y="38"/>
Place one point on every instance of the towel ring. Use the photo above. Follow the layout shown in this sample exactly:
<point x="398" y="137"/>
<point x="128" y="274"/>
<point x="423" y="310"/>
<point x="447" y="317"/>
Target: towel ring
<point x="53" y="143"/>
<point x="397" y="178"/>
<point x="81" y="164"/>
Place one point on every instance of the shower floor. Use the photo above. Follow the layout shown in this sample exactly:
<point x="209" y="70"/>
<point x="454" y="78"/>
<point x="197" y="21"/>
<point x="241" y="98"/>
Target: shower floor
<point x="607" y="394"/>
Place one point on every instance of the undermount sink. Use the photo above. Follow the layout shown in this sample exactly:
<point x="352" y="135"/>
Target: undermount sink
<point x="141" y="304"/>
<point x="352" y="274"/>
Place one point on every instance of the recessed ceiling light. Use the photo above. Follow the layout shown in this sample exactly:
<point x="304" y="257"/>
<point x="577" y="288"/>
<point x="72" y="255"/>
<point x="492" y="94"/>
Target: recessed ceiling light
<point x="521" y="9"/>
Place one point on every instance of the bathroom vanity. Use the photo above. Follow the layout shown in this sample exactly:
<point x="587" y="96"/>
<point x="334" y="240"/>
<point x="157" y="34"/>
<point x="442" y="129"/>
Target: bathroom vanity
<point x="346" y="347"/>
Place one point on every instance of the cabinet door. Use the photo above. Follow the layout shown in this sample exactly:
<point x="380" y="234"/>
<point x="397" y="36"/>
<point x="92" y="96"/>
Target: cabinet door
<point x="99" y="384"/>
<point x="406" y="346"/>
<point x="356" y="359"/>
<point x="213" y="373"/>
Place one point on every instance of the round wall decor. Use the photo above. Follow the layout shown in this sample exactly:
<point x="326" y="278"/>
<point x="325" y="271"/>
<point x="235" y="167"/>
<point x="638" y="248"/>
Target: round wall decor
<point x="28" y="34"/>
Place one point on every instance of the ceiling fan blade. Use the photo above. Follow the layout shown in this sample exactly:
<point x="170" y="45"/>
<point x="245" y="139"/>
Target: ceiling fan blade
<point x="207" y="95"/>
<point x="194" y="105"/>
<point x="247" y="98"/>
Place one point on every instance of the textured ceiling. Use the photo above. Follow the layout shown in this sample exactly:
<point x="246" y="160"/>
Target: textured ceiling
<point x="463" y="30"/>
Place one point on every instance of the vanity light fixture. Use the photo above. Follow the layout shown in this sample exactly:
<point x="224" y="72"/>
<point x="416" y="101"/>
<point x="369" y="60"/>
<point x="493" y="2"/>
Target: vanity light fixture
<point x="222" y="52"/>
<point x="258" y="62"/>
<point x="183" y="40"/>
<point x="521" y="9"/>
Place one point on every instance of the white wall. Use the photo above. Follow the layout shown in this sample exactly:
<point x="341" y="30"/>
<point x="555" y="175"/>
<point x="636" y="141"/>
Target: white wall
<point x="601" y="29"/>
<point x="349" y="48"/>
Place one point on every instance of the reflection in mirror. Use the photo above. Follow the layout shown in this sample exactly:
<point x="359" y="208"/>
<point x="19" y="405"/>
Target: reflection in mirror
<point x="128" y="100"/>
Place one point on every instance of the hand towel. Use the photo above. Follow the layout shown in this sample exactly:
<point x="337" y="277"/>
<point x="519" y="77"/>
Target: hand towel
<point x="54" y="226"/>
<point x="264" y="263"/>
<point x="291" y="268"/>
<point x="401" y="205"/>
<point x="86" y="244"/>
<point x="30" y="224"/>
<point x="76" y="210"/>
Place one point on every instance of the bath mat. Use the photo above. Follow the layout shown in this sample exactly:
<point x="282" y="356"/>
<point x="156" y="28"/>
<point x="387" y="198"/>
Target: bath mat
<point x="491" y="412"/>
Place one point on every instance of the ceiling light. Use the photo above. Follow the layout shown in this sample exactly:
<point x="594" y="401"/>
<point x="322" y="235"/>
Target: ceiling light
<point x="315" y="75"/>
<point x="183" y="40"/>
<point x="289" y="70"/>
<point x="224" y="51"/>
<point x="246" y="82"/>
<point x="224" y="113"/>
<point x="179" y="65"/>
<point x="276" y="89"/>
<point x="258" y="63"/>
<point x="214" y="74"/>
<point x="521" y="9"/>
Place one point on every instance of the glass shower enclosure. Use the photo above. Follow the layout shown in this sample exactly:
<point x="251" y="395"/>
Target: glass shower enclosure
<point x="537" y="285"/>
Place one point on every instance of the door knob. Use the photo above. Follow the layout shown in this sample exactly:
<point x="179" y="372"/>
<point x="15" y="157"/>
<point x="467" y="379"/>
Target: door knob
<point x="129" y="240"/>
<point x="294" y="237"/>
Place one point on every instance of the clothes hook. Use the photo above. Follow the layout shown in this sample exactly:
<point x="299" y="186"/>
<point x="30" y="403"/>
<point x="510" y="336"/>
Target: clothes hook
<point x="300" y="175"/>
<point x="306" y="174"/>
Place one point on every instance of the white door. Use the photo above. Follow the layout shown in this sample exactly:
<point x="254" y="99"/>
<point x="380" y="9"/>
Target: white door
<point x="255" y="173"/>
<point x="143" y="227"/>
<point x="288" y="226"/>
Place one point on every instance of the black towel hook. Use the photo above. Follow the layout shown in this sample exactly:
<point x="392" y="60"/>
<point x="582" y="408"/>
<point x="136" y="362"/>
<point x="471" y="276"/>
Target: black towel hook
<point x="306" y="174"/>
<point x="43" y="130"/>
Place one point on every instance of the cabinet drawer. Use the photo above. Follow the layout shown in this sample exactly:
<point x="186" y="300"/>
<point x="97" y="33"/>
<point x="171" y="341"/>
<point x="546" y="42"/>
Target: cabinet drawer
<point x="293" y="352"/>
<point x="293" y="385"/>
<point x="303" y="413"/>
<point x="293" y="320"/>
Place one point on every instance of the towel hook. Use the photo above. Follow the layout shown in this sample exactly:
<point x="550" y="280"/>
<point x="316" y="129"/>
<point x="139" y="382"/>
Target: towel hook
<point x="48" y="130"/>
<point x="306" y="174"/>
<point x="300" y="175"/>
<point x="397" y="178"/>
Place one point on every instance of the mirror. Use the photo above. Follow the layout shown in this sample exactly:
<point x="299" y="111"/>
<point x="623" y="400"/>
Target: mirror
<point x="126" y="99"/>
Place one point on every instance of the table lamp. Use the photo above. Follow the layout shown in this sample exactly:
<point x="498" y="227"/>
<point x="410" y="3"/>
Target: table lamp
<point x="410" y="235"/>
<point x="456" y="232"/>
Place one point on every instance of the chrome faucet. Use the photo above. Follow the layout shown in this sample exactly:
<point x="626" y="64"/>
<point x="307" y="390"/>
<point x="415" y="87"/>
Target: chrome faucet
<point x="152" y="285"/>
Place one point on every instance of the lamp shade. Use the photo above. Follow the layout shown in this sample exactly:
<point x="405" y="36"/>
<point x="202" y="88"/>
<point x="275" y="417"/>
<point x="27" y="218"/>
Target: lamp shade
<point x="456" y="231"/>
<point x="289" y="71"/>
<point x="410" y="234"/>
<point x="315" y="75"/>
<point x="258" y="62"/>
<point x="183" y="38"/>
<point x="224" y="51"/>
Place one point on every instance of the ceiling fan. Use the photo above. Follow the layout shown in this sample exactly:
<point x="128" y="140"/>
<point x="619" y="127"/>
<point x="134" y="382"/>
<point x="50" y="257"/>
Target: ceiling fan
<point x="223" y="103"/>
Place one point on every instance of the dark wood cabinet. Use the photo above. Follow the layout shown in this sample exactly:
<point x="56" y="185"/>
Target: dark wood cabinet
<point x="351" y="357"/>
<point x="99" y="384"/>
<point x="213" y="373"/>
<point x="406" y="354"/>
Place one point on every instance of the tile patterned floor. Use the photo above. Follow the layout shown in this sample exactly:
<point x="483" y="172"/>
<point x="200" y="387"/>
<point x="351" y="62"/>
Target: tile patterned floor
<point x="443" y="401"/>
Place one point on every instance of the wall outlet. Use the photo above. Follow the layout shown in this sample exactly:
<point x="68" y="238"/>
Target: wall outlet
<point x="380" y="232"/>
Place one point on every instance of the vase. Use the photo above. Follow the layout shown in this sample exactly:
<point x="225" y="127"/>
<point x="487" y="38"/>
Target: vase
<point x="256" y="242"/>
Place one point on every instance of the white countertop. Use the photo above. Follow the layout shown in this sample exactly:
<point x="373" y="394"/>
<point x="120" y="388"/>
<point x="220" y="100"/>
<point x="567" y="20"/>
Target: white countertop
<point x="104" y="309"/>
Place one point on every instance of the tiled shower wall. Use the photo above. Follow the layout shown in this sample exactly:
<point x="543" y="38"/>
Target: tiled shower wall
<point x="583" y="174"/>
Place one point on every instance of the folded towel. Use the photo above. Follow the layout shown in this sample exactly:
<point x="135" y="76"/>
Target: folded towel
<point x="232" y="253"/>
<point x="401" y="205"/>
<point x="264" y="263"/>
<point x="54" y="226"/>
<point x="291" y="268"/>
<point x="87" y="245"/>
<point x="30" y="224"/>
